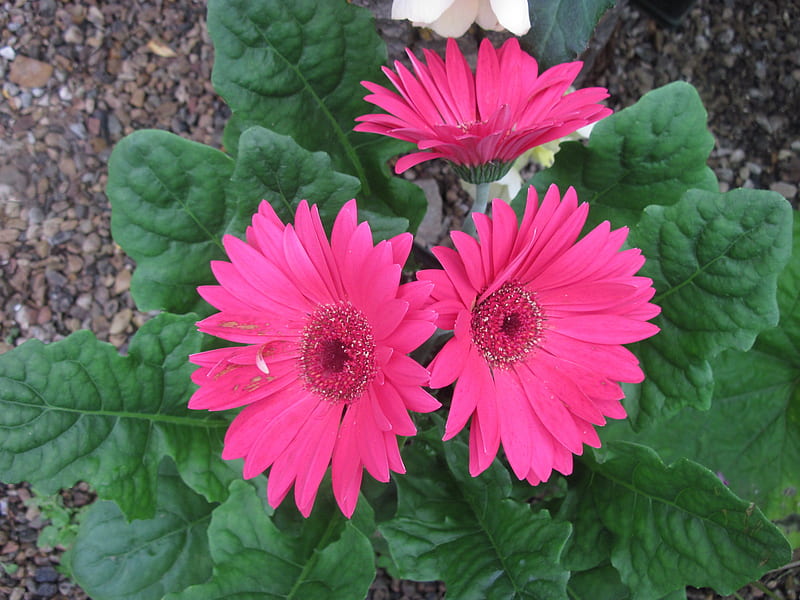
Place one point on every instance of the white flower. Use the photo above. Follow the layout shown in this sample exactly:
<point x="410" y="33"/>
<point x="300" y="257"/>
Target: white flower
<point x="452" y="18"/>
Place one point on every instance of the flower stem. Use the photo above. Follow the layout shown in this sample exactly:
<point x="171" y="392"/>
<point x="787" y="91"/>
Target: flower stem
<point x="478" y="206"/>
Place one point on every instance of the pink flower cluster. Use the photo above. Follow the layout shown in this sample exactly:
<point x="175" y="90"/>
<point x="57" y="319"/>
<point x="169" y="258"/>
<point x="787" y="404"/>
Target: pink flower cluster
<point x="325" y="325"/>
<point x="539" y="318"/>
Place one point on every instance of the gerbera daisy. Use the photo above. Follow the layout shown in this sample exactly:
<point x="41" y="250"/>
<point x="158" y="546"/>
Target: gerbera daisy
<point x="481" y="123"/>
<point x="452" y="18"/>
<point x="323" y="372"/>
<point x="539" y="319"/>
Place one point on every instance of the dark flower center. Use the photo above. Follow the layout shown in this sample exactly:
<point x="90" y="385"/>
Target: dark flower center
<point x="507" y="325"/>
<point x="337" y="352"/>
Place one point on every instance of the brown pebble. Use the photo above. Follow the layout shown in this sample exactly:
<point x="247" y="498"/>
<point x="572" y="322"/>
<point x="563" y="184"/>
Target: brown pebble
<point x="29" y="73"/>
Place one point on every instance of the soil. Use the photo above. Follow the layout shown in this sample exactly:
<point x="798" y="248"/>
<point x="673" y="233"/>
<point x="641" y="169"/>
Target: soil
<point x="77" y="76"/>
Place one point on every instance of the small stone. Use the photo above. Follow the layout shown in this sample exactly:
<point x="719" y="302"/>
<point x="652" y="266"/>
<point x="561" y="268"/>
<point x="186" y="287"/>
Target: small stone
<point x="95" y="17"/>
<point x="46" y="575"/>
<point x="8" y="235"/>
<point x="91" y="244"/>
<point x="137" y="98"/>
<point x="787" y="190"/>
<point x="123" y="282"/>
<point x="47" y="590"/>
<point x="45" y="315"/>
<point x="120" y="321"/>
<point x="73" y="35"/>
<point x="8" y="53"/>
<point x="737" y="155"/>
<point x="29" y="72"/>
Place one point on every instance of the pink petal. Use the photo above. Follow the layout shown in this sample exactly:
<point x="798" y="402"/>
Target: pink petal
<point x="473" y="385"/>
<point x="448" y="363"/>
<point x="516" y="422"/>
<point x="605" y="329"/>
<point x="346" y="467"/>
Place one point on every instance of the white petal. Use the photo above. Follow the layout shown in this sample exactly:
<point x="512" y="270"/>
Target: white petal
<point x="513" y="15"/>
<point x="420" y="11"/>
<point x="455" y="21"/>
<point x="486" y="17"/>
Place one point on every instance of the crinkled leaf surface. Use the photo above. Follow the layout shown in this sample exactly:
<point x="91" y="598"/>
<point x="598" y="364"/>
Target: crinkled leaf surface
<point x="751" y="435"/>
<point x="113" y="559"/>
<point x="324" y="556"/>
<point x="77" y="410"/>
<point x="173" y="200"/>
<point x="273" y="167"/>
<point x="598" y="583"/>
<point x="468" y="532"/>
<point x="168" y="212"/>
<point x="296" y="68"/>
<point x="561" y="29"/>
<point x="649" y="153"/>
<point x="678" y="525"/>
<point x="714" y="260"/>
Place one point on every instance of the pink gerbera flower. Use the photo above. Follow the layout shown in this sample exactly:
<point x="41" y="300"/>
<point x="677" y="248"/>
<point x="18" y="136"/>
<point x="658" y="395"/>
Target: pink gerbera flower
<point x="324" y="372"/>
<point x="539" y="319"/>
<point x="482" y="122"/>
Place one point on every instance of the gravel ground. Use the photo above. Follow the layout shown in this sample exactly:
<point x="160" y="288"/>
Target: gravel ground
<point x="79" y="75"/>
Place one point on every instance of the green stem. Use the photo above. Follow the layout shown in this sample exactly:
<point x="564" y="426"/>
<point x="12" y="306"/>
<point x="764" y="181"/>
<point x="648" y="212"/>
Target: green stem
<point x="478" y="206"/>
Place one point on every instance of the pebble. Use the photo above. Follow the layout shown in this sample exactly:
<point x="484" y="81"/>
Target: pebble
<point x="29" y="72"/>
<point x="787" y="190"/>
<point x="8" y="53"/>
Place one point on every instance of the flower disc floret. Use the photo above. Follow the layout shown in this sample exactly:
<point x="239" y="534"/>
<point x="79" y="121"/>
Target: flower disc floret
<point x="506" y="325"/>
<point x="337" y="352"/>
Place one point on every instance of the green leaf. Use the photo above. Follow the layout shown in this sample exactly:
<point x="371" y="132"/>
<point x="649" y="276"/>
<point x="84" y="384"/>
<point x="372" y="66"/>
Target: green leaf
<point x="274" y="168"/>
<point x="714" y="260"/>
<point x="755" y="416"/>
<point x="590" y="542"/>
<point x="649" y="153"/>
<point x="173" y="200"/>
<point x="468" y="532"/>
<point x="598" y="583"/>
<point x="296" y="68"/>
<point x="169" y="209"/>
<point x="561" y="29"/>
<point x="325" y="556"/>
<point x="114" y="559"/>
<point x="77" y="410"/>
<point x="679" y="525"/>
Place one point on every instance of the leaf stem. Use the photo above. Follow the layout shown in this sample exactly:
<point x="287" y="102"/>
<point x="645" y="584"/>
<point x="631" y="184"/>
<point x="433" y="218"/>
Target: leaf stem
<point x="323" y="542"/>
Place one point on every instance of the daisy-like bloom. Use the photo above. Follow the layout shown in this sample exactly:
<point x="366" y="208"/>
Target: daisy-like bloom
<point x="539" y="319"/>
<point x="452" y="18"/>
<point x="484" y="121"/>
<point x="323" y="372"/>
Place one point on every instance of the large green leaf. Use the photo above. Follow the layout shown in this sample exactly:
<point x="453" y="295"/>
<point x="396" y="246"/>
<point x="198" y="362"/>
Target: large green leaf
<point x="274" y="168"/>
<point x="325" y="556"/>
<point x="678" y="525"/>
<point x="169" y="207"/>
<point x="561" y="29"/>
<point x="113" y="559"/>
<point x="714" y="260"/>
<point x="649" y="153"/>
<point x="469" y="532"/>
<point x="77" y="410"/>
<point x="295" y="68"/>
<point x="173" y="200"/>
<point x="751" y="436"/>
